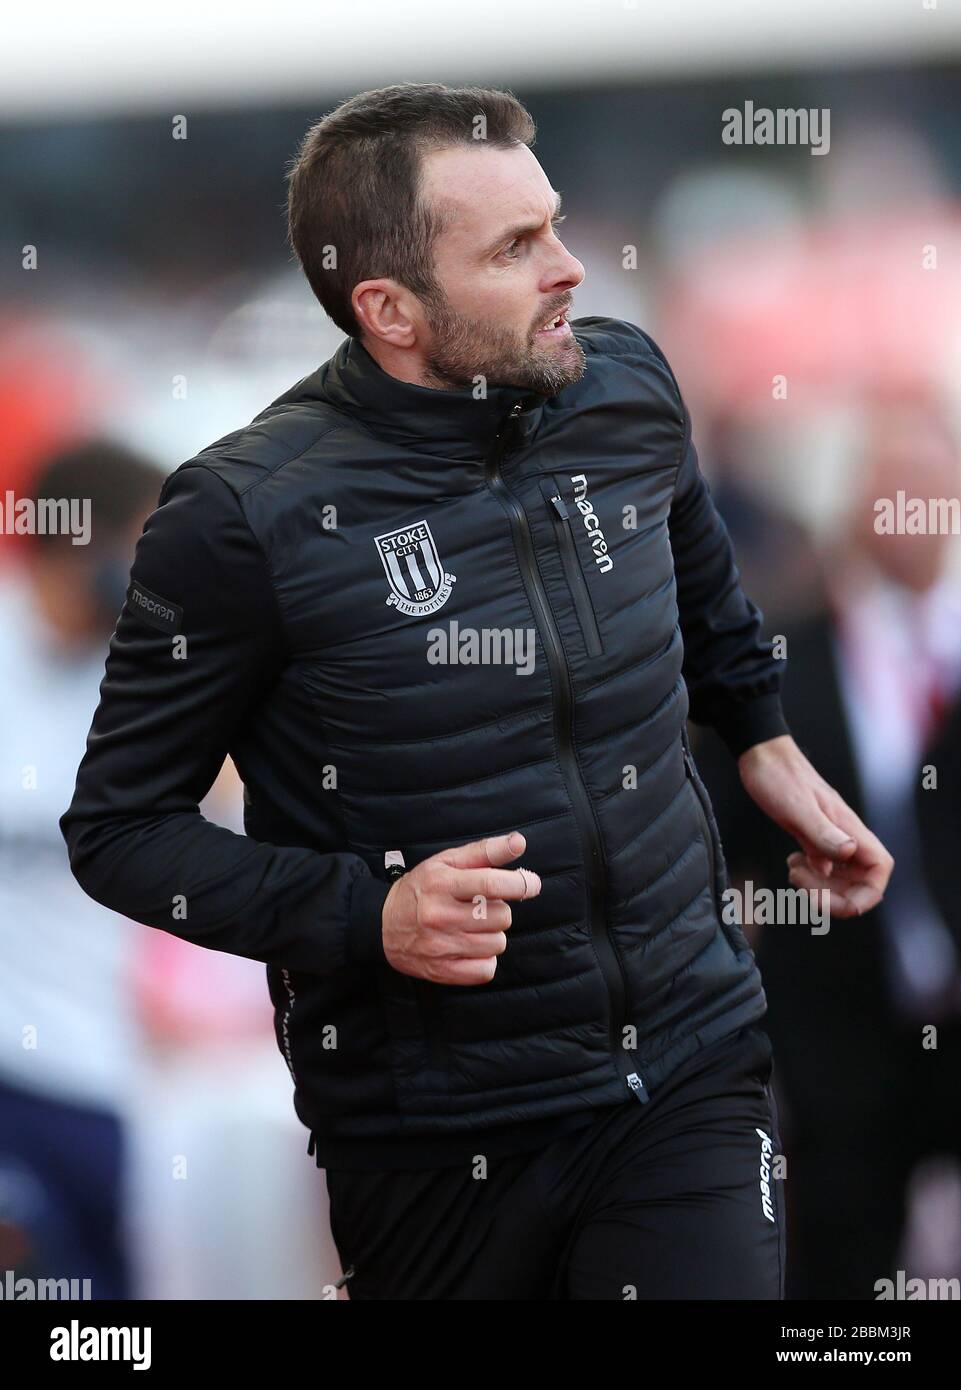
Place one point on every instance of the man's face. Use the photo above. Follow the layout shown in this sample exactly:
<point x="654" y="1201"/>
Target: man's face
<point x="503" y="271"/>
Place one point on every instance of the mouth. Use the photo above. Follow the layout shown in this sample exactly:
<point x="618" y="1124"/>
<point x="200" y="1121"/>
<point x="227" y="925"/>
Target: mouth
<point x="557" y="327"/>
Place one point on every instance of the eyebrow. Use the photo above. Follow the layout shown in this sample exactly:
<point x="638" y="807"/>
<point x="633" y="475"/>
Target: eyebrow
<point x="511" y="233"/>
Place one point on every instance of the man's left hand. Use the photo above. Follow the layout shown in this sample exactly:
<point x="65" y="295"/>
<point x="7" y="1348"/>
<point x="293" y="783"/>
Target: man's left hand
<point x="839" y="852"/>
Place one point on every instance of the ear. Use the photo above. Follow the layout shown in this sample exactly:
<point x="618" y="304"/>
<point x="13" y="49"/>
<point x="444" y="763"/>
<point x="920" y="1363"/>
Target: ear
<point x="383" y="309"/>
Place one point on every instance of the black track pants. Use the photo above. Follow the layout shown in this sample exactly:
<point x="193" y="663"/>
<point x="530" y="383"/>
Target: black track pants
<point x="658" y="1201"/>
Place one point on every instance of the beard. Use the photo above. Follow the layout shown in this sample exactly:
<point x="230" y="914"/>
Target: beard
<point x="465" y="348"/>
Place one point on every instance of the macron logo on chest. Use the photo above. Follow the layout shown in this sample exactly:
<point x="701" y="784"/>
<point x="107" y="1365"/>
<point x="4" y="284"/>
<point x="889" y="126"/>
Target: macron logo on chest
<point x="592" y="525"/>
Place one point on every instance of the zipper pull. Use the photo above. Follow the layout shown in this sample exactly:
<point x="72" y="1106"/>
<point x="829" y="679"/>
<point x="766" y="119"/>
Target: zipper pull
<point x="509" y="431"/>
<point x="394" y="864"/>
<point x="637" y="1086"/>
<point x="560" y="507"/>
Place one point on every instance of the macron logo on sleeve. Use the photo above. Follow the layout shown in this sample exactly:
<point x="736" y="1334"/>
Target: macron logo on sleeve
<point x="157" y="611"/>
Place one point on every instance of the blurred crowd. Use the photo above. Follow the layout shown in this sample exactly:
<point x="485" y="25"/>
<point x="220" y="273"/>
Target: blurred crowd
<point x="811" y="311"/>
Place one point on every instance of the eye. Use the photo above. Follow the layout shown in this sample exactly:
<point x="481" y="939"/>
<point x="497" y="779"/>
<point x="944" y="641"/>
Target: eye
<point x="510" y="251"/>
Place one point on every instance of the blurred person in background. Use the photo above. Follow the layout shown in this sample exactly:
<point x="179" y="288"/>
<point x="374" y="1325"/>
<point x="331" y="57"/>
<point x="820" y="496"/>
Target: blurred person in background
<point x="873" y="695"/>
<point x="69" y="1035"/>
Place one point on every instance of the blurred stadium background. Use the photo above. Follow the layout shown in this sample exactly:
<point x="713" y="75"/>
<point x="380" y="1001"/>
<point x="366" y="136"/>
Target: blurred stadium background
<point x="162" y="309"/>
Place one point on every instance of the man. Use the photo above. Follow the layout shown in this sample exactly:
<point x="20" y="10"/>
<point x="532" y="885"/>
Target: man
<point x="873" y="693"/>
<point x="71" y="1046"/>
<point x="428" y="601"/>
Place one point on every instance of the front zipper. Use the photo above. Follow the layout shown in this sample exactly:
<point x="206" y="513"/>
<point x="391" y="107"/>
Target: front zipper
<point x="563" y="708"/>
<point x="572" y="569"/>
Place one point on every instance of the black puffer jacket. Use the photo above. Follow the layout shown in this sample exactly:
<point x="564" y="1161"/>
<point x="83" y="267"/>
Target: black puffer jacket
<point x="290" y="603"/>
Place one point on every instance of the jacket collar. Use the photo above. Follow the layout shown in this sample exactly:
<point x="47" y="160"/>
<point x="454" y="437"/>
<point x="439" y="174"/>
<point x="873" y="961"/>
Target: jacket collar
<point x="449" y="424"/>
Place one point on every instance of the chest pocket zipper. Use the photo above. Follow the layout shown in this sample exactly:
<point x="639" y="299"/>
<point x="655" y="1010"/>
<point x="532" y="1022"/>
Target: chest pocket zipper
<point x="576" y="582"/>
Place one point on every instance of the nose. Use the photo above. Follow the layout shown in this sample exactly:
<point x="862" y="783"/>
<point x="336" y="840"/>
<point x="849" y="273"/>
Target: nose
<point x="568" y="274"/>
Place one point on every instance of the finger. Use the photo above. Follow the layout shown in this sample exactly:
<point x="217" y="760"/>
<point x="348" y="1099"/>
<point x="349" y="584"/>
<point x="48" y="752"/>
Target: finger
<point x="803" y="877"/>
<point x="875" y="861"/>
<point x="840" y="874"/>
<point x="871" y="864"/>
<point x="466" y="971"/>
<point x="863" y="896"/>
<point x="444" y="946"/>
<point x="450" y="915"/>
<point x="496" y="849"/>
<point x="823" y="839"/>
<point x="818" y="862"/>
<point x="511" y="885"/>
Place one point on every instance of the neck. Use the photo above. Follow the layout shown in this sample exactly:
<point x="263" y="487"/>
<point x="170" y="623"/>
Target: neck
<point x="404" y="365"/>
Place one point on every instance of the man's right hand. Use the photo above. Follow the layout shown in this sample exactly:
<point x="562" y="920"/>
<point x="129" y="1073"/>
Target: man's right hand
<point x="446" y="919"/>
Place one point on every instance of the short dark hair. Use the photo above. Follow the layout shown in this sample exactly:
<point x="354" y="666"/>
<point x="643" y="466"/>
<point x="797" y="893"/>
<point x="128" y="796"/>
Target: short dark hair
<point x="120" y="483"/>
<point x="354" y="185"/>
